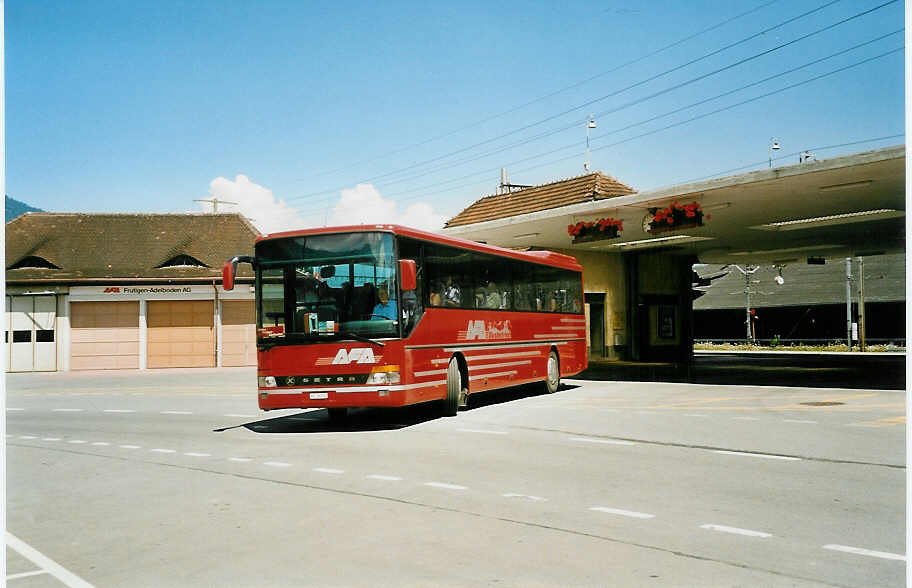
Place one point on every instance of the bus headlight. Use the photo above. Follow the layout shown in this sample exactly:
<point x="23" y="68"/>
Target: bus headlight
<point x="386" y="374"/>
<point x="267" y="381"/>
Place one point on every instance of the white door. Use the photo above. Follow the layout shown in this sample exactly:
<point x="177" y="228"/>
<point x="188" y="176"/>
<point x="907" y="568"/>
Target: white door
<point x="33" y="344"/>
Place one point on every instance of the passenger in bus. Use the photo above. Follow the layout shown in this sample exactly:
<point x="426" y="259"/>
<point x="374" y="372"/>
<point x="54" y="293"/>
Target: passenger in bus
<point x="435" y="297"/>
<point x="493" y="298"/>
<point x="451" y="295"/>
<point x="386" y="308"/>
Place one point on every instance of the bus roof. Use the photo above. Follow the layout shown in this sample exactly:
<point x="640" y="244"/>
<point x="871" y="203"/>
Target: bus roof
<point x="543" y="257"/>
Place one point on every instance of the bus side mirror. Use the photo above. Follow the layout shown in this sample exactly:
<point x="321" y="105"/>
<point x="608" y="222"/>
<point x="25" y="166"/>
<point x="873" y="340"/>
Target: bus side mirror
<point x="408" y="274"/>
<point x="228" y="275"/>
<point x="230" y="269"/>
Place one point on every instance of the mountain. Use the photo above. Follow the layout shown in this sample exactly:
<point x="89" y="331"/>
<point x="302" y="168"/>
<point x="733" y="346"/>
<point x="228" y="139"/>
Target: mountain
<point x="15" y="208"/>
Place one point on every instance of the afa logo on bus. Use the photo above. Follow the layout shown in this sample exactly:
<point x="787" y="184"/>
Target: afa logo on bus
<point x="356" y="355"/>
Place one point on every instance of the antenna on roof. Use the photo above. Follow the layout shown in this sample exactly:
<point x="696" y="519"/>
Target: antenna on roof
<point x="214" y="201"/>
<point x="589" y="125"/>
<point x="505" y="186"/>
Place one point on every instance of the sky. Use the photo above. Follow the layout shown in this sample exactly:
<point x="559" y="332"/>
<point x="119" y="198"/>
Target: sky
<point x="307" y="113"/>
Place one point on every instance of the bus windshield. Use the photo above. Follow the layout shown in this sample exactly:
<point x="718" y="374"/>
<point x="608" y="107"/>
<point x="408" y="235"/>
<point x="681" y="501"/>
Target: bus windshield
<point x="319" y="287"/>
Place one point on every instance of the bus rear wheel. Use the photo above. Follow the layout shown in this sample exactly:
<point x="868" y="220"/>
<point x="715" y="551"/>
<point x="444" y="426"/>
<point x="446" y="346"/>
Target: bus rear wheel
<point x="552" y="381"/>
<point x="454" y="389"/>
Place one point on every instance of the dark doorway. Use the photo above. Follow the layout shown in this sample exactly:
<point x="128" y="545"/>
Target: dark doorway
<point x="596" y="304"/>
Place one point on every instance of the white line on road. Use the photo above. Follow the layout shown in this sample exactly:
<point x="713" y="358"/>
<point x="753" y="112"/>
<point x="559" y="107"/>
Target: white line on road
<point x="27" y="437"/>
<point x="623" y="513"/>
<point x="16" y="409"/>
<point x="163" y="450"/>
<point x="605" y="441"/>
<point x="119" y="410"/>
<point x="445" y="486"/>
<point x="193" y="454"/>
<point x="51" y="439"/>
<point x="42" y="561"/>
<point x="329" y="471"/>
<point x="799" y="421"/>
<point x="130" y="446"/>
<point x="240" y="459"/>
<point x="868" y="552"/>
<point x="68" y="410"/>
<point x="176" y="412"/>
<point x="77" y="441"/>
<point x="101" y="444"/>
<point x="736" y="531"/>
<point x="699" y="416"/>
<point x="277" y="464"/>
<point x="763" y="455"/>
<point x="27" y="574"/>
<point x="383" y="477"/>
<point x="482" y="431"/>
<point x="526" y="496"/>
<point x="240" y="416"/>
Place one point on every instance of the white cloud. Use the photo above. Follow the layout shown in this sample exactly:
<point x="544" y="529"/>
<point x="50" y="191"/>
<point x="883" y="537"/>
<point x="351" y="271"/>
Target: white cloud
<point x="257" y="203"/>
<point x="362" y="204"/>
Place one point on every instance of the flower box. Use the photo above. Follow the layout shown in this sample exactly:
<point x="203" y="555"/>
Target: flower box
<point x="603" y="228"/>
<point x="676" y="217"/>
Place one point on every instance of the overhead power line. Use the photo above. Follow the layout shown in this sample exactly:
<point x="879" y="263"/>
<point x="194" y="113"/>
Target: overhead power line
<point x="590" y="102"/>
<point x="555" y="92"/>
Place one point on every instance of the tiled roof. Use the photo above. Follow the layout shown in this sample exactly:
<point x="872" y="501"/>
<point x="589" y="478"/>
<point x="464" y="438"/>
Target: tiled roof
<point x="126" y="246"/>
<point x="596" y="186"/>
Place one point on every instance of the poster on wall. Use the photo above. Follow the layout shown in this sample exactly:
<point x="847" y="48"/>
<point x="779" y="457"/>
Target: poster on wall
<point x="666" y="322"/>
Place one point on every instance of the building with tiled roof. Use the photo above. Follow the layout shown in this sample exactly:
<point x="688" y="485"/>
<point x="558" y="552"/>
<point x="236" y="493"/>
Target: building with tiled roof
<point x="587" y="188"/>
<point x="110" y="291"/>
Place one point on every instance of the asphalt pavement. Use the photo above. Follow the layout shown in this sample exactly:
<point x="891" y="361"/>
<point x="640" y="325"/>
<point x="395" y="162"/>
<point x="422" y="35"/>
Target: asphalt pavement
<point x="174" y="478"/>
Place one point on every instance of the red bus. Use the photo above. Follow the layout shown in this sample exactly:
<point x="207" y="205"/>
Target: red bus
<point x="384" y="315"/>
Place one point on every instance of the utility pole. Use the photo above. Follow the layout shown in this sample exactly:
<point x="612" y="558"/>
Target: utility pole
<point x="862" y="344"/>
<point x="747" y="272"/>
<point x="849" y="303"/>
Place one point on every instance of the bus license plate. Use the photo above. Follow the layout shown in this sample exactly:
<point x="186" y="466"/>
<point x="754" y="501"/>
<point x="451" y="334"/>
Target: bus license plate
<point x="319" y="395"/>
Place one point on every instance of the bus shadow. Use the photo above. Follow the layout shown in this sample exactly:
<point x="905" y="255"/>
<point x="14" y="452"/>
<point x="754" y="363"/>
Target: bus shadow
<point x="364" y="420"/>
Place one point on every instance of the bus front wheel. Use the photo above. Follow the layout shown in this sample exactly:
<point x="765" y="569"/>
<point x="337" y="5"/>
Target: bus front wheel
<point x="454" y="388"/>
<point x="552" y="381"/>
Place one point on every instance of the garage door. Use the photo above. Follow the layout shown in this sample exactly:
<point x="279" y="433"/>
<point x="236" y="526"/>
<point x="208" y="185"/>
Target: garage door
<point x="238" y="333"/>
<point x="104" y="335"/>
<point x="180" y="334"/>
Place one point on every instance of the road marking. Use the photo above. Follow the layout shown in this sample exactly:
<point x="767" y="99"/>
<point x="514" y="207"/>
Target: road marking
<point x="623" y="513"/>
<point x="736" y="531"/>
<point x="77" y="441"/>
<point x="163" y="450"/>
<point x="240" y="459"/>
<point x="27" y="574"/>
<point x="118" y="410"/>
<point x="101" y="444"/>
<point x="868" y="552"/>
<point x="193" y="454"/>
<point x="382" y="477"/>
<point x="176" y="412"/>
<point x="445" y="486"/>
<point x="329" y="471"/>
<point x="42" y="561"/>
<point x="130" y="446"/>
<point x="16" y="409"/>
<point x="482" y="431"/>
<point x="746" y="418"/>
<point x="277" y="464"/>
<point x="526" y="496"/>
<point x="763" y="455"/>
<point x="68" y="410"/>
<point x="27" y="437"/>
<point x="605" y="441"/>
<point x="240" y="416"/>
<point x="699" y="416"/>
<point x="51" y="439"/>
<point x="800" y="422"/>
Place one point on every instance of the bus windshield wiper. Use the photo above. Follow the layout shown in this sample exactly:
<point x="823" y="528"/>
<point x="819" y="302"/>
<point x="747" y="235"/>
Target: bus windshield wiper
<point x="361" y="338"/>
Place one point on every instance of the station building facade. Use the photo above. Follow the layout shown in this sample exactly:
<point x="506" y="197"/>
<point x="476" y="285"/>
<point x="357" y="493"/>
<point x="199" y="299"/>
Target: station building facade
<point x="126" y="291"/>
